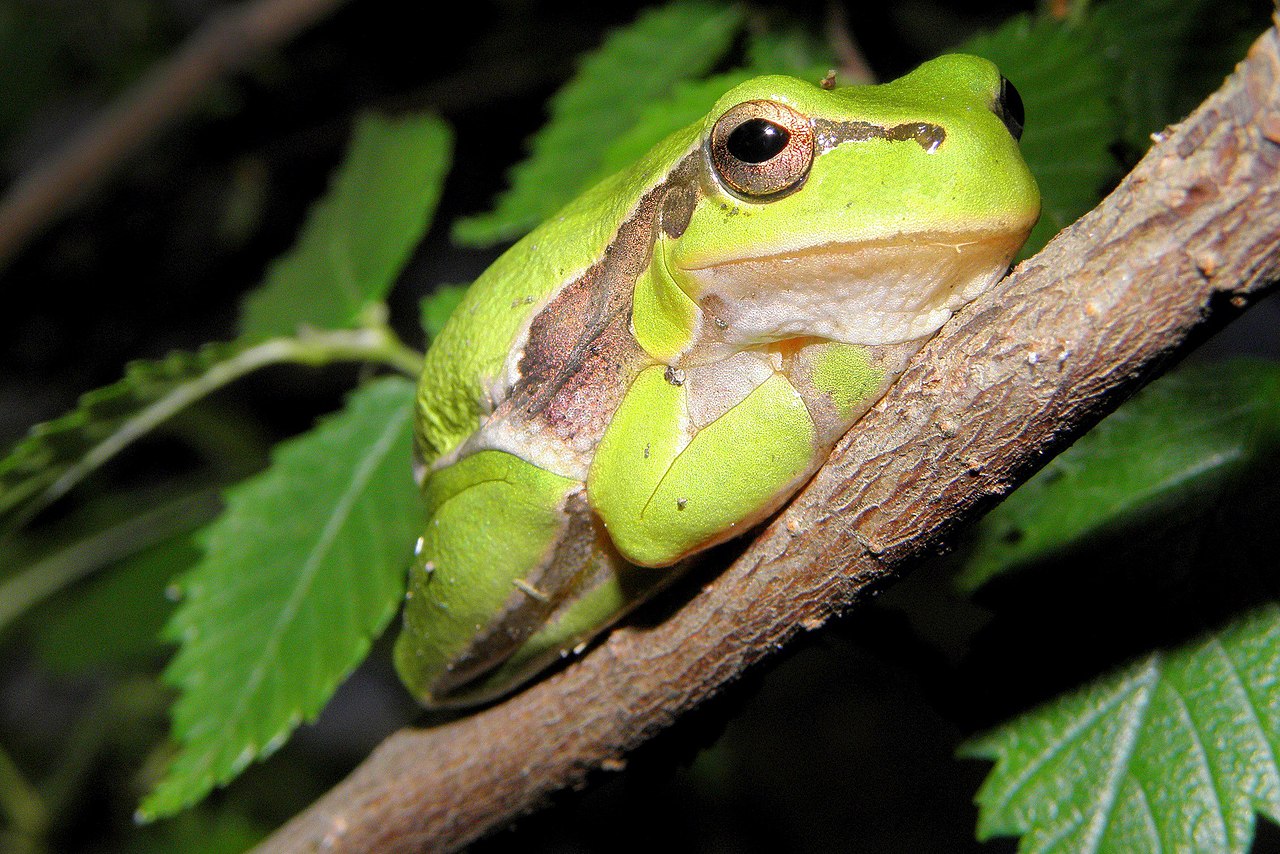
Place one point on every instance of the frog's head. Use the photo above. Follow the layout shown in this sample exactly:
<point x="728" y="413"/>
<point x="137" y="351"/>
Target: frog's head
<point x="864" y="214"/>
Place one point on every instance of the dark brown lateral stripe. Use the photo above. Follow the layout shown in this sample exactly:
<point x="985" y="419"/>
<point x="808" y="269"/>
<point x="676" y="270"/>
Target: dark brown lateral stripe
<point x="580" y="357"/>
<point x="579" y="360"/>
<point x="526" y="610"/>
<point x="829" y="134"/>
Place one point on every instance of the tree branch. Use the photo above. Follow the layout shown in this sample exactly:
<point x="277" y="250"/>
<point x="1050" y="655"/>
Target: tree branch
<point x="1054" y="347"/>
<point x="228" y="40"/>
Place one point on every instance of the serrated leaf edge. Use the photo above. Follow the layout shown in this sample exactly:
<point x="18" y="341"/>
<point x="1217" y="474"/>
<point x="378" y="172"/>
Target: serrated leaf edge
<point x="202" y="777"/>
<point x="227" y="362"/>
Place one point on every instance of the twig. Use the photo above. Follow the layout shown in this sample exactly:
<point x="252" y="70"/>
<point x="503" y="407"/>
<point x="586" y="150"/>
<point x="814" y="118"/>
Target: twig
<point x="35" y="583"/>
<point x="25" y="809"/>
<point x="1194" y="228"/>
<point x="221" y="364"/>
<point x="228" y="40"/>
<point x="853" y="64"/>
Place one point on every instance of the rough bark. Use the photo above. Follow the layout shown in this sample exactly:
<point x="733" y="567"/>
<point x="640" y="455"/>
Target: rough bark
<point x="1194" y="229"/>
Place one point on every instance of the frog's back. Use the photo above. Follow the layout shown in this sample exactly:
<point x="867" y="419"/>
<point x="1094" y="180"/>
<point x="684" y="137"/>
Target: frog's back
<point x="463" y="377"/>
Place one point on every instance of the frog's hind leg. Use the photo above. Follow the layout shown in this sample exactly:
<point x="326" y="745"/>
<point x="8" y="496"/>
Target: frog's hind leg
<point x="511" y="571"/>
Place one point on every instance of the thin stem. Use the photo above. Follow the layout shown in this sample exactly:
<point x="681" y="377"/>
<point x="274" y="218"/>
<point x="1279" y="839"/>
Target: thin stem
<point x="374" y="343"/>
<point x="228" y="40"/>
<point x="316" y="348"/>
<point x="65" y="567"/>
<point x="377" y="344"/>
<point x="19" y="800"/>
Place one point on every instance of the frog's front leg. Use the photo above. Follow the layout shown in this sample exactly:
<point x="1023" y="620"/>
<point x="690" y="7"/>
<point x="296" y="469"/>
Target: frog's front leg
<point x="694" y="457"/>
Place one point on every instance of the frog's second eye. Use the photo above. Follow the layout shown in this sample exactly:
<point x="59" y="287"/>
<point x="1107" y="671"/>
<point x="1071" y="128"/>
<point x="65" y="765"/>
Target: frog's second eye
<point x="761" y="148"/>
<point x="1009" y="108"/>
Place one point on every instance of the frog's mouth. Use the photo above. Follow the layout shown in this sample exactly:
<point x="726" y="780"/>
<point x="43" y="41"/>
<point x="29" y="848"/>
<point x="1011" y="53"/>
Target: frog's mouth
<point x="870" y="292"/>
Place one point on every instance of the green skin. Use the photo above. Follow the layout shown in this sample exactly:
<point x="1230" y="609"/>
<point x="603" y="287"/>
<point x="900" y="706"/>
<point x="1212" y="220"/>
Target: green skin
<point x="661" y="365"/>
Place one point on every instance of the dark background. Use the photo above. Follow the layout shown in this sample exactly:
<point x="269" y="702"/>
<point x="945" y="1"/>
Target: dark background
<point x="846" y="744"/>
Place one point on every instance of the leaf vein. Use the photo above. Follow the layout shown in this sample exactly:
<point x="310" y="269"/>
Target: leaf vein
<point x="1056" y="747"/>
<point x="1126" y="743"/>
<point x="268" y="648"/>
<point x="1255" y="722"/>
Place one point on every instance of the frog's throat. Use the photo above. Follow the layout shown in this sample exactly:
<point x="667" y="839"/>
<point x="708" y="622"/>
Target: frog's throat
<point x="871" y="292"/>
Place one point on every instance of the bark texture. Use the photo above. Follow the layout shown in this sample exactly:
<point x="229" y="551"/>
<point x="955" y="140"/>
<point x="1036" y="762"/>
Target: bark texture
<point x="1194" y="229"/>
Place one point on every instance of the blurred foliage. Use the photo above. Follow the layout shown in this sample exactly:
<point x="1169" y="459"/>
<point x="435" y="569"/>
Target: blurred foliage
<point x="52" y="51"/>
<point x="1072" y="120"/>
<point x="1178" y="748"/>
<point x="193" y="225"/>
<point x="613" y="85"/>
<point x="1193" y="435"/>
<point x="436" y="308"/>
<point x="357" y="239"/>
<point x="57" y="454"/>
<point x="122" y="611"/>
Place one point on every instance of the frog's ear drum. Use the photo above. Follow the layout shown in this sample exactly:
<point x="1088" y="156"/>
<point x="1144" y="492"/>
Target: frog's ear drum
<point x="1008" y="107"/>
<point x="761" y="149"/>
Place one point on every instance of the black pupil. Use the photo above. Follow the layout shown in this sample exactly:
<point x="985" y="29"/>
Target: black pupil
<point x="757" y="140"/>
<point x="1011" y="109"/>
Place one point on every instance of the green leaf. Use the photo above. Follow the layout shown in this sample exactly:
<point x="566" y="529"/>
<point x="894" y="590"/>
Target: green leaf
<point x="354" y="245"/>
<point x="688" y="101"/>
<point x="115" y="621"/>
<point x="1072" y="122"/>
<point x="437" y="307"/>
<point x="1175" y="753"/>
<point x="304" y="568"/>
<point x="358" y="237"/>
<point x="1167" y="55"/>
<point x="788" y="51"/>
<point x="221" y="830"/>
<point x="58" y="454"/>
<point x="610" y="92"/>
<point x="1182" y="436"/>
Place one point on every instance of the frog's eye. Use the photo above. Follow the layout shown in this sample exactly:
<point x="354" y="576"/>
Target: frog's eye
<point x="1009" y="108"/>
<point x="761" y="148"/>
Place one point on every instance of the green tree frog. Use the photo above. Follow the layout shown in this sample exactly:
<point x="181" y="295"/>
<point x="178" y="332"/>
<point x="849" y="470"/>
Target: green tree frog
<point x="662" y="364"/>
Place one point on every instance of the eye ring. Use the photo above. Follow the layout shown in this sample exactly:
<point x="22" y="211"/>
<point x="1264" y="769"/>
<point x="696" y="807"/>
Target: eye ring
<point x="761" y="149"/>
